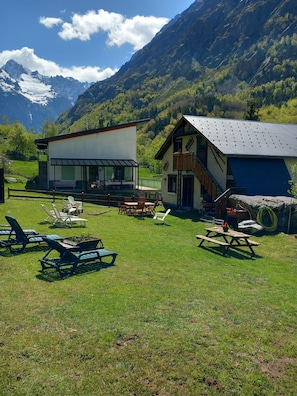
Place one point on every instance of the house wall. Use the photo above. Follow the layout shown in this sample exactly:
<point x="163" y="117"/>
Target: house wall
<point x="217" y="165"/>
<point x="170" y="198"/>
<point x="112" y="144"/>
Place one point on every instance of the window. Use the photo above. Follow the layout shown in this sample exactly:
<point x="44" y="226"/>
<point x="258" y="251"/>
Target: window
<point x="68" y="173"/>
<point x="177" y="146"/>
<point x="172" y="183"/>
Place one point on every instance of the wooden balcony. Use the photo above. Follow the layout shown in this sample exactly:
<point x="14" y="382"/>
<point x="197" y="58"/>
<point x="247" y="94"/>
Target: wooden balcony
<point x="188" y="162"/>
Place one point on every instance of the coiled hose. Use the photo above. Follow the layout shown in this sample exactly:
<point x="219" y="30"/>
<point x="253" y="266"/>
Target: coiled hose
<point x="265" y="213"/>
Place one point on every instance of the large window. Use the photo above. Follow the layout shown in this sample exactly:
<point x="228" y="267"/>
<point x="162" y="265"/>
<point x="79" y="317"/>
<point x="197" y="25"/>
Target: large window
<point x="172" y="183"/>
<point x="68" y="173"/>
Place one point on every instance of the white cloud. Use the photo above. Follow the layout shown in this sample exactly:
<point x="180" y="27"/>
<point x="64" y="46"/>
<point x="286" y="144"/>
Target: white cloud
<point x="136" y="31"/>
<point x="50" y="22"/>
<point x="26" y="57"/>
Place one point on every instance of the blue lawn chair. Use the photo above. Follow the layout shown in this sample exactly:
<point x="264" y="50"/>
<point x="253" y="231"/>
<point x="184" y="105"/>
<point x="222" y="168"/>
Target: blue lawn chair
<point x="72" y="258"/>
<point x="18" y="239"/>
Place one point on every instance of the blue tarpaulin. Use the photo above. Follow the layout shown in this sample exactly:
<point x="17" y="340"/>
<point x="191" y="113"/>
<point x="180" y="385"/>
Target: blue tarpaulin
<point x="260" y="176"/>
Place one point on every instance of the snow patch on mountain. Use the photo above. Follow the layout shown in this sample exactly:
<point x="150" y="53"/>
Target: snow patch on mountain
<point x="31" y="98"/>
<point x="35" y="90"/>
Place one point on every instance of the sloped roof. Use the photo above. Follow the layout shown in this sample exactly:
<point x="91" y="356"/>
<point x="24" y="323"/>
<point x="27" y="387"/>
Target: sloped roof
<point x="243" y="138"/>
<point x="96" y="162"/>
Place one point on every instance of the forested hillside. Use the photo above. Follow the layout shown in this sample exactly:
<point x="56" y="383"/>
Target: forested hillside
<point x="233" y="59"/>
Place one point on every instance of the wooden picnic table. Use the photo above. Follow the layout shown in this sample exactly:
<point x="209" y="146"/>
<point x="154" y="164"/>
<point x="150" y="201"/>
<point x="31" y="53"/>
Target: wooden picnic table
<point x="229" y="239"/>
<point x="132" y="206"/>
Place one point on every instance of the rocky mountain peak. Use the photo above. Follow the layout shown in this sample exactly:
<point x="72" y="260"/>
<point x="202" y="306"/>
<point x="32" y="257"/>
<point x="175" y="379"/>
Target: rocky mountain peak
<point x="14" y="69"/>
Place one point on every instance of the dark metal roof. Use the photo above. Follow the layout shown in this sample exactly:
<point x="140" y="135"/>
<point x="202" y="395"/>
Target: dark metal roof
<point x="96" y="162"/>
<point x="248" y="138"/>
<point x="236" y="138"/>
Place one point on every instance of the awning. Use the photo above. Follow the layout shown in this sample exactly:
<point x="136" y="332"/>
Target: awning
<point x="261" y="176"/>
<point x="93" y="162"/>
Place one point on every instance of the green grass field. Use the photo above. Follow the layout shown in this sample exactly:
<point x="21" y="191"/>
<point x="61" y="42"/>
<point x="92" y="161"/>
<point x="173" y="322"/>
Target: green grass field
<point x="169" y="318"/>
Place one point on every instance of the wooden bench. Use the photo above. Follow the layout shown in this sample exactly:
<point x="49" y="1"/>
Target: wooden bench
<point x="253" y="243"/>
<point x="218" y="242"/>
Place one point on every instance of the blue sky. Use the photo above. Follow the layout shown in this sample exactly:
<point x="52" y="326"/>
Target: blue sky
<point x="86" y="39"/>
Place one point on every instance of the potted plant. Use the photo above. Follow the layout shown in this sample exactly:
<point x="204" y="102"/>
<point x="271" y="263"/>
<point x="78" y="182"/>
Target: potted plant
<point x="225" y="226"/>
<point x="84" y="242"/>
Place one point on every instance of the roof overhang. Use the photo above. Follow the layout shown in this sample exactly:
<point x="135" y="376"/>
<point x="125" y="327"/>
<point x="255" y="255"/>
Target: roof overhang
<point x="93" y="162"/>
<point x="42" y="143"/>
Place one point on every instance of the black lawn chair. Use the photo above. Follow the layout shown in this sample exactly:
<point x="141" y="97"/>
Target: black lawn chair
<point x="71" y="258"/>
<point x="18" y="239"/>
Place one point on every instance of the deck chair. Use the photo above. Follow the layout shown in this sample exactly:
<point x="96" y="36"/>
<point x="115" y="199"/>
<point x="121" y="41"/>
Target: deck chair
<point x="8" y="231"/>
<point x="77" y="205"/>
<point x="51" y="217"/>
<point x="18" y="241"/>
<point x="68" y="258"/>
<point x="160" y="216"/>
<point x="65" y="219"/>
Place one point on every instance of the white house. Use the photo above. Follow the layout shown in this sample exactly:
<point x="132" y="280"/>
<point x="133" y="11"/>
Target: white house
<point x="102" y="158"/>
<point x="203" y="157"/>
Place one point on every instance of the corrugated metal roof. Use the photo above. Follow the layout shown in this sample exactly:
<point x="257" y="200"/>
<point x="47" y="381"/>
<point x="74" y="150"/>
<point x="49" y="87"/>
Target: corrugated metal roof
<point x="249" y="138"/>
<point x="96" y="162"/>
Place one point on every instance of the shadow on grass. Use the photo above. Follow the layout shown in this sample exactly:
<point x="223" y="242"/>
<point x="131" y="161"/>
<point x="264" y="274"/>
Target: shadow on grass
<point x="192" y="214"/>
<point x="5" y="251"/>
<point x="53" y="275"/>
<point x="236" y="252"/>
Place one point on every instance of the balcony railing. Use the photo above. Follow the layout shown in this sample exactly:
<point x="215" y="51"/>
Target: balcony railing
<point x="188" y="162"/>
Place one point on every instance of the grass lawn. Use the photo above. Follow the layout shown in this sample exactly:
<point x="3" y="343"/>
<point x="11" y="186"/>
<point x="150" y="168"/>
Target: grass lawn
<point x="169" y="318"/>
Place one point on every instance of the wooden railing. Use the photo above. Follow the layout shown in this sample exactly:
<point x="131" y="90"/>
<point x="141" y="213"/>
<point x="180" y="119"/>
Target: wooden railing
<point x="188" y="162"/>
<point x="102" y="199"/>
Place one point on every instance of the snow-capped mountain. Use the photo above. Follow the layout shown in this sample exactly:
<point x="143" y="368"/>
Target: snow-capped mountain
<point x="31" y="98"/>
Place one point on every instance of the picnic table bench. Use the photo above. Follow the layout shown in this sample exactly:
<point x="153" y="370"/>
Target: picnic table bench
<point x="209" y="239"/>
<point x="231" y="239"/>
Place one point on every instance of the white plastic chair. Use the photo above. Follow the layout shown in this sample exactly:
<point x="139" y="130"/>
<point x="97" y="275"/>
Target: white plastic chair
<point x="78" y="205"/>
<point x="67" y="219"/>
<point x="160" y="216"/>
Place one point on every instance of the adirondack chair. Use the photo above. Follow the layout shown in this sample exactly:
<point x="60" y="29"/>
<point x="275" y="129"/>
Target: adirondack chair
<point x="77" y="205"/>
<point x="160" y="216"/>
<point x="18" y="240"/>
<point x="71" y="258"/>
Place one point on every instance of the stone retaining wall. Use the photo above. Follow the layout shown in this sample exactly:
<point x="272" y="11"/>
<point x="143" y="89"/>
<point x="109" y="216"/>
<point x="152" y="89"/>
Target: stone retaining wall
<point x="285" y="209"/>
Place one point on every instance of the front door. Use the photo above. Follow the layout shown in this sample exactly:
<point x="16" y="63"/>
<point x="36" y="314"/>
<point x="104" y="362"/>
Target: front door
<point x="188" y="191"/>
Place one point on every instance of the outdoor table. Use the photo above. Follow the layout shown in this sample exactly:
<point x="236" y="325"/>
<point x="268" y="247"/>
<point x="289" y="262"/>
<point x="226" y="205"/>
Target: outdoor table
<point x="131" y="206"/>
<point x="231" y="239"/>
